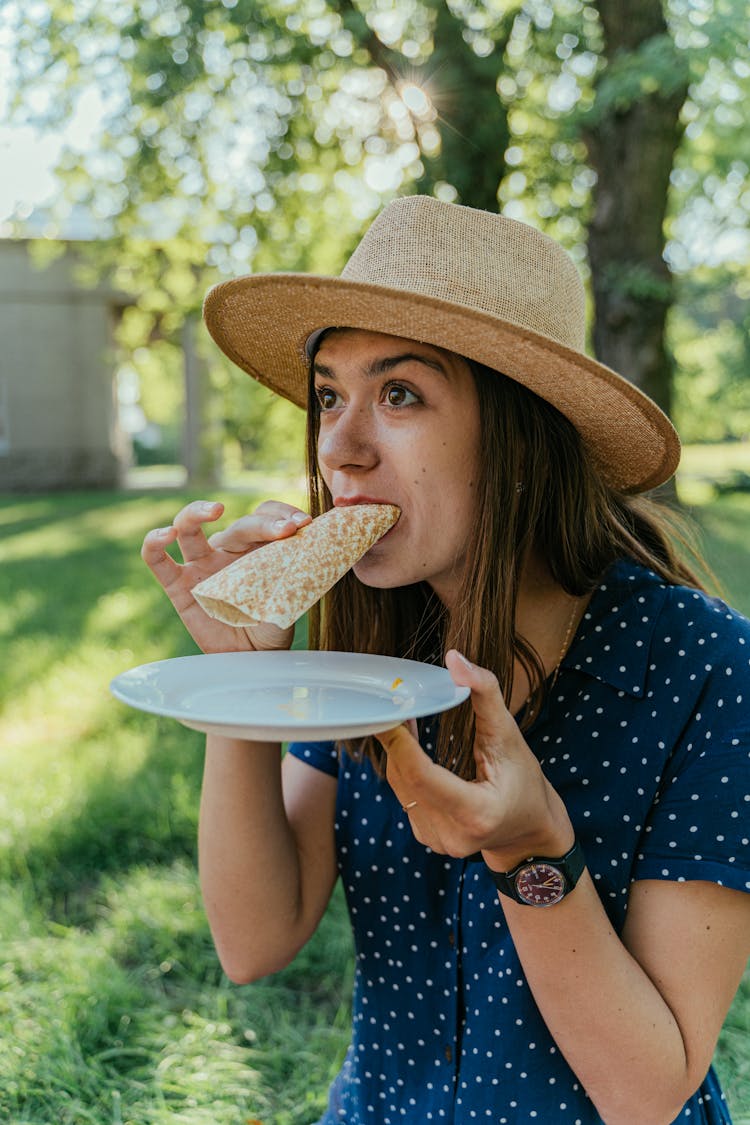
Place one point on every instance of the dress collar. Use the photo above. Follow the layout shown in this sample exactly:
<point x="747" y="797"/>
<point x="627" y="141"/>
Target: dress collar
<point x="613" y="641"/>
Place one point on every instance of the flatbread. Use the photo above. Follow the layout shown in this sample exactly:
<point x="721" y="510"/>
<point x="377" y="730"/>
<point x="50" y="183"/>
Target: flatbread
<point x="280" y="581"/>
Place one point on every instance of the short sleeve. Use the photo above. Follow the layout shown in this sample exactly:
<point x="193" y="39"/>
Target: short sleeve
<point x="700" y="826"/>
<point x="321" y="756"/>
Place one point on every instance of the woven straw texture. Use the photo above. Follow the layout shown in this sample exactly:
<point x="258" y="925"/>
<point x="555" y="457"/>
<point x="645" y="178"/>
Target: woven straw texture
<point x="486" y="287"/>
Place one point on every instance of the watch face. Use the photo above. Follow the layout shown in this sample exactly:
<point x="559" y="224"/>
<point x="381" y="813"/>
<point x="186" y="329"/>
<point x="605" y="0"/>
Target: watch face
<point x="540" y="884"/>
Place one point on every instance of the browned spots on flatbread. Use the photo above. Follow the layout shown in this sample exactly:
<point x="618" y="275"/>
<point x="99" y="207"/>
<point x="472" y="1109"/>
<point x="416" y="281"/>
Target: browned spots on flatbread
<point x="280" y="581"/>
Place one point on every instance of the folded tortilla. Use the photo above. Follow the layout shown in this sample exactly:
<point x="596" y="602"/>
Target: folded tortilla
<point x="281" y="580"/>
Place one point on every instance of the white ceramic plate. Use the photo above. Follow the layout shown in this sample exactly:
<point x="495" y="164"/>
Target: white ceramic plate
<point x="285" y="696"/>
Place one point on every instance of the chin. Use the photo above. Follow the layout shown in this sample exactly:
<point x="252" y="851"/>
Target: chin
<point x="379" y="577"/>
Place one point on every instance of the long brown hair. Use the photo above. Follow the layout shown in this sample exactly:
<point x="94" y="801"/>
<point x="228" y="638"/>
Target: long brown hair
<point x="538" y="490"/>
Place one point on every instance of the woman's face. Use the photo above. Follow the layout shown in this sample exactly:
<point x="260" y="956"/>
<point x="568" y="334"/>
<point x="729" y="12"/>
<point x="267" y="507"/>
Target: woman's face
<point x="399" y="423"/>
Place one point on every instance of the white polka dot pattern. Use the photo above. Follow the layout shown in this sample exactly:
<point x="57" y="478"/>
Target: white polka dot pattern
<point x="647" y="740"/>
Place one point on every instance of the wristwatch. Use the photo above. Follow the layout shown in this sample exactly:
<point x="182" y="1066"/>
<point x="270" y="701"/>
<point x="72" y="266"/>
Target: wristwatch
<point x="540" y="880"/>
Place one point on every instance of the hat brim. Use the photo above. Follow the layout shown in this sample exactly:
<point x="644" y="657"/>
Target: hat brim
<point x="263" y="322"/>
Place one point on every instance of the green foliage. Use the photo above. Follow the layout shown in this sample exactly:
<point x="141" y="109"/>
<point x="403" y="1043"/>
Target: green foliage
<point x="261" y="428"/>
<point x="253" y="135"/>
<point x="710" y="210"/>
<point x="638" y="280"/>
<point x="227" y="125"/>
<point x="548" y="83"/>
<point x="656" y="67"/>
<point x="710" y="340"/>
<point x="264" y="135"/>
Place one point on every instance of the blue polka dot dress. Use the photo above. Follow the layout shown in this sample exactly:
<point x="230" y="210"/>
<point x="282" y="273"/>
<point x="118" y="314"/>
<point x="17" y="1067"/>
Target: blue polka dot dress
<point x="646" y="737"/>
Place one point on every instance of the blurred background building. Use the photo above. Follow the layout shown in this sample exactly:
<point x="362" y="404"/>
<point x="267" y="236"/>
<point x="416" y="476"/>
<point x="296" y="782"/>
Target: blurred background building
<point x="59" y="424"/>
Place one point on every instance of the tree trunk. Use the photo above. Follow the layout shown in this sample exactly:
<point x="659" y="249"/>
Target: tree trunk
<point x="631" y="138"/>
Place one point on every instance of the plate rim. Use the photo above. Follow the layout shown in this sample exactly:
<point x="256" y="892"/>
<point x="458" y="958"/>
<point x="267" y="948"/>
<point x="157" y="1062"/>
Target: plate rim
<point x="293" y="727"/>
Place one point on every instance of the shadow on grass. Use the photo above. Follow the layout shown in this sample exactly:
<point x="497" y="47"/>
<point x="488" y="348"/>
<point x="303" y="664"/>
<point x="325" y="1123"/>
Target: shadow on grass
<point x="19" y="515"/>
<point x="121" y="820"/>
<point x="76" y="592"/>
<point x="55" y="576"/>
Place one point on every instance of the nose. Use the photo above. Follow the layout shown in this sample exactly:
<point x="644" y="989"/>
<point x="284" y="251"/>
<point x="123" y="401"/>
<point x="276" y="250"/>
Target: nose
<point x="346" y="440"/>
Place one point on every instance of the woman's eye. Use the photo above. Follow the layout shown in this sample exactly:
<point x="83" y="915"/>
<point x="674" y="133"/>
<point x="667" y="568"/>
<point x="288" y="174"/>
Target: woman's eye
<point x="396" y="395"/>
<point x="326" y="398"/>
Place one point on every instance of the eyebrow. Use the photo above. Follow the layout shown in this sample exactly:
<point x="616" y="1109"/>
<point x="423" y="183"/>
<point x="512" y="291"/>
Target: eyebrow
<point x="385" y="364"/>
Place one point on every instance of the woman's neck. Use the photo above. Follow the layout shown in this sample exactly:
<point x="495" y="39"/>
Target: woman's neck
<point x="546" y="617"/>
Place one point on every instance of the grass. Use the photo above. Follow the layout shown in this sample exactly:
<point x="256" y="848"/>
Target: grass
<point x="112" y="1005"/>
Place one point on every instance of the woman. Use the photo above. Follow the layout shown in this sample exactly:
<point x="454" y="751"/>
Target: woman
<point x="546" y="887"/>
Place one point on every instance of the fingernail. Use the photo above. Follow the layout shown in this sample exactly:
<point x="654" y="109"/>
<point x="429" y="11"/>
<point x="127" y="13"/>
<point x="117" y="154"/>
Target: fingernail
<point x="162" y="532"/>
<point x="280" y="523"/>
<point x="300" y="517"/>
<point x="466" y="663"/>
<point x="207" y="506"/>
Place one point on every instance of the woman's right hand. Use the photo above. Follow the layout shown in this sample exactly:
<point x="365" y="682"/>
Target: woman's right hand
<point x="202" y="557"/>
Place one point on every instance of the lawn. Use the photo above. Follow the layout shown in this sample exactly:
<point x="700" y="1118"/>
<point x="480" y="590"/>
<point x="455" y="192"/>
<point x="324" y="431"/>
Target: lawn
<point x="113" y="1007"/>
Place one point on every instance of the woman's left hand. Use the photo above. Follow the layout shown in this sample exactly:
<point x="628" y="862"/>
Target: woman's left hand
<point x="508" y="813"/>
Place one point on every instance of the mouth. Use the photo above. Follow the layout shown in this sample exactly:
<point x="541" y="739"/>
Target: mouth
<point x="347" y="501"/>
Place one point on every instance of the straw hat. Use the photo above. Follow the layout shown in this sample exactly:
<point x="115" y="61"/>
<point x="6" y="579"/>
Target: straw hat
<point x="476" y="283"/>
